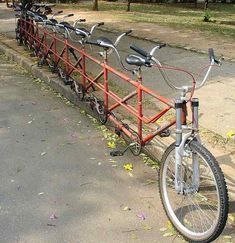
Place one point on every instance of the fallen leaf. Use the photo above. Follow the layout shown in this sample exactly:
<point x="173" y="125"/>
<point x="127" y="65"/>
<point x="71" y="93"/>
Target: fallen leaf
<point x="30" y="122"/>
<point x="130" y="174"/>
<point x="230" y="134"/>
<point x="163" y="229"/>
<point x="126" y="208"/>
<point x="141" y="216"/>
<point x="168" y="234"/>
<point x="133" y="236"/>
<point x="227" y="237"/>
<point x="43" y="153"/>
<point x="147" y="227"/>
<point x="53" y="216"/>
<point x="150" y="181"/>
<point x="40" y="193"/>
<point x="111" y="144"/>
<point x="128" y="166"/>
<point x="231" y="217"/>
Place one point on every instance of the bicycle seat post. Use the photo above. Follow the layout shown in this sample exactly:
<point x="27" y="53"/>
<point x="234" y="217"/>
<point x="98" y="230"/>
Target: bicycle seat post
<point x="138" y="73"/>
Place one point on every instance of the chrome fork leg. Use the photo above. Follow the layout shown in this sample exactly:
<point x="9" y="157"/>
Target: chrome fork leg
<point x="196" y="174"/>
<point x="178" y="156"/>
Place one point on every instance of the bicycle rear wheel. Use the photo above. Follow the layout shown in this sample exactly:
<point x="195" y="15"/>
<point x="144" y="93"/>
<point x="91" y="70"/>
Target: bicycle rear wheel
<point x="198" y="214"/>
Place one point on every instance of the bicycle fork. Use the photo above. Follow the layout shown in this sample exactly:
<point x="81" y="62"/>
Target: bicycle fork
<point x="180" y="107"/>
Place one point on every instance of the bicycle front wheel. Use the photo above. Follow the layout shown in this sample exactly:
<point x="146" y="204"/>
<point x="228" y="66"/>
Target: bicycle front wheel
<point x="200" y="213"/>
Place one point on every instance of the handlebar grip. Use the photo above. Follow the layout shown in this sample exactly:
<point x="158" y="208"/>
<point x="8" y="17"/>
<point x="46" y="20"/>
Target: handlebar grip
<point x="140" y="51"/>
<point x="70" y="15"/>
<point x="82" y="20"/>
<point x="101" y="23"/>
<point x="128" y="32"/>
<point x="59" y="12"/>
<point x="69" y="27"/>
<point x="211" y="54"/>
<point x="162" y="45"/>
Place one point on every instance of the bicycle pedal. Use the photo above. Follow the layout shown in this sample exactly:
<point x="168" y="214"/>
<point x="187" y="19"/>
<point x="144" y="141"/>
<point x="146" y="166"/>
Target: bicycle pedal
<point x="115" y="153"/>
<point x="165" y="133"/>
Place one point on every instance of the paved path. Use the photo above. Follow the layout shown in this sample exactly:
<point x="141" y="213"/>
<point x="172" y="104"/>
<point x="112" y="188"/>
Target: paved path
<point x="54" y="161"/>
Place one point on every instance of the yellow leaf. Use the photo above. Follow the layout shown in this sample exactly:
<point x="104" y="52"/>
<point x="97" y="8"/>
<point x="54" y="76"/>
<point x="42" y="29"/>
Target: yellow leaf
<point x="111" y="144"/>
<point x="230" y="134"/>
<point x="231" y="217"/>
<point x="128" y="166"/>
<point x="163" y="229"/>
<point x="168" y="234"/>
<point x="133" y="236"/>
<point x="147" y="227"/>
<point x="227" y="237"/>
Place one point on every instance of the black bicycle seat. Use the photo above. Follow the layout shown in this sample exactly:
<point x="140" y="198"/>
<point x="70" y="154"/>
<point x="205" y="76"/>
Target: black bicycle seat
<point x="82" y="32"/>
<point x="137" y="60"/>
<point x="103" y="41"/>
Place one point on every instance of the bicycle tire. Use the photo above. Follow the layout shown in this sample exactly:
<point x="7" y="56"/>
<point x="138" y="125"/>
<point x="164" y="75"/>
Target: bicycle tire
<point x="136" y="147"/>
<point x="79" y="90"/>
<point x="178" y="218"/>
<point x="18" y="36"/>
<point x="102" y="112"/>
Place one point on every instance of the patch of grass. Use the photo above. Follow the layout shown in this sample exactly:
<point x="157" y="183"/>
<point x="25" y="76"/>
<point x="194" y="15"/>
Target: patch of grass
<point x="180" y="16"/>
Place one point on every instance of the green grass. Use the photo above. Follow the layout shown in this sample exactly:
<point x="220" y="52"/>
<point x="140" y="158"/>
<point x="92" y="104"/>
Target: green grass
<point x="179" y="16"/>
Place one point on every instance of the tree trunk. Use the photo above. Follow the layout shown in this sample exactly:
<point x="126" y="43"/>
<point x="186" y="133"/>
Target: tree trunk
<point x="195" y="3"/>
<point x="95" y="5"/>
<point x="128" y="5"/>
<point x="206" y="4"/>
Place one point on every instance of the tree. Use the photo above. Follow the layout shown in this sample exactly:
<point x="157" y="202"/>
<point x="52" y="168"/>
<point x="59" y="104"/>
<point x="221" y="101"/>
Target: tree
<point x="206" y="4"/>
<point x="128" y="5"/>
<point x="95" y="5"/>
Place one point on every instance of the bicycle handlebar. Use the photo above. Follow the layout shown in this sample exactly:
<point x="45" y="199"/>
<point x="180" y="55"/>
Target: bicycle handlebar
<point x="149" y="56"/>
<point x="128" y="32"/>
<point x="212" y="56"/>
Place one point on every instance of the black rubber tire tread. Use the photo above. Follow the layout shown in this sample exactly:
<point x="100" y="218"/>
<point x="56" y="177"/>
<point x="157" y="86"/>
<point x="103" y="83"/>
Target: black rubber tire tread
<point x="102" y="118"/>
<point x="137" y="141"/>
<point x="222" y="188"/>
